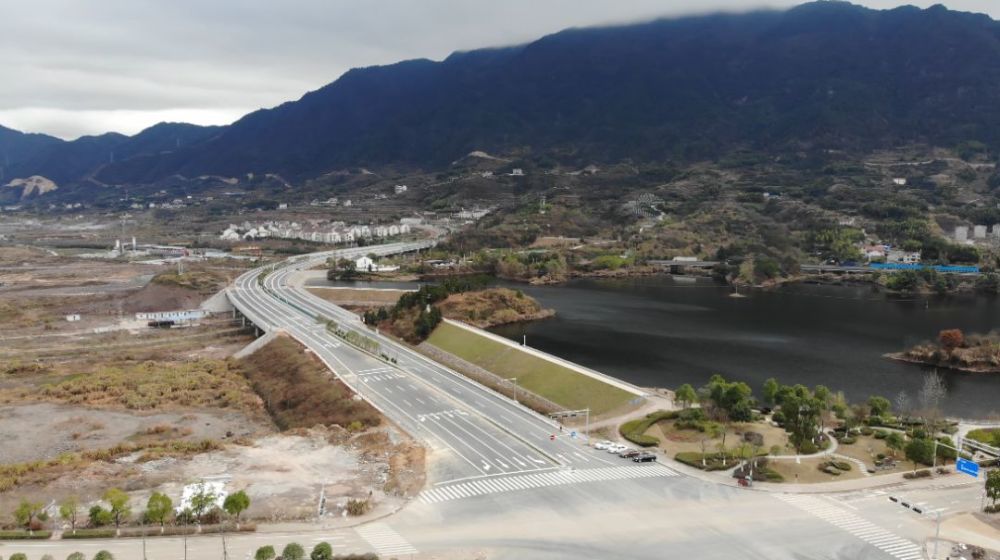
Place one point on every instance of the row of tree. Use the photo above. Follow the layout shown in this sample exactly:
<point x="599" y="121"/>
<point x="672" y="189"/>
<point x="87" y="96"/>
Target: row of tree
<point x="118" y="509"/>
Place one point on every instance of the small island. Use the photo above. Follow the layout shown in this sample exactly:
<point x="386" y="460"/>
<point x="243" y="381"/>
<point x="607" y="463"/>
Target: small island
<point x="975" y="353"/>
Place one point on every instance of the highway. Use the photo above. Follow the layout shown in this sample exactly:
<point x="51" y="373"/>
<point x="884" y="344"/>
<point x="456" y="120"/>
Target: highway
<point x="474" y="431"/>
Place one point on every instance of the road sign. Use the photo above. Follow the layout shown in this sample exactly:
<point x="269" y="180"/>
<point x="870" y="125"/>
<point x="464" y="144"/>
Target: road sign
<point x="968" y="467"/>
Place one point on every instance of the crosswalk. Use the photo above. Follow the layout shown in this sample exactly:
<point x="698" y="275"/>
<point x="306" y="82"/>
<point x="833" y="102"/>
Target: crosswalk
<point x="384" y="539"/>
<point x="512" y="483"/>
<point x="891" y="544"/>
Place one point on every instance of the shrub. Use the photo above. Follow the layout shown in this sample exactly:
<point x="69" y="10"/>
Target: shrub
<point x="922" y="473"/>
<point x="76" y="556"/>
<point x="265" y="553"/>
<point x="47" y="557"/>
<point x="808" y="448"/>
<point x="866" y="431"/>
<point x="881" y="434"/>
<point x="293" y="551"/>
<point x="322" y="551"/>
<point x="19" y="556"/>
<point x="848" y="440"/>
<point x="992" y="509"/>
<point x="357" y="507"/>
<point x="104" y="555"/>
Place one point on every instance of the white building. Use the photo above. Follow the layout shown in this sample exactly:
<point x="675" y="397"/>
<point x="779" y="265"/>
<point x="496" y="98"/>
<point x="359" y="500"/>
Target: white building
<point x="899" y="181"/>
<point x="961" y="234"/>
<point x="176" y="316"/>
<point x="903" y="257"/>
<point x="400" y="189"/>
<point x="979" y="232"/>
<point x="517" y="172"/>
<point x="364" y="264"/>
<point x="873" y="252"/>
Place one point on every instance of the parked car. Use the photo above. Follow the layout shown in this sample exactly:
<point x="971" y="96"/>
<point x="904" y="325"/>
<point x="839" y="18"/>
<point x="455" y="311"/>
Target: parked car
<point x="616" y="448"/>
<point x="630" y="453"/>
<point x="603" y="444"/>
<point x="644" y="458"/>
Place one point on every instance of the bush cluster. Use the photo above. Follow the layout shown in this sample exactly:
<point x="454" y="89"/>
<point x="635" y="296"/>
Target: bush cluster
<point x="635" y="430"/>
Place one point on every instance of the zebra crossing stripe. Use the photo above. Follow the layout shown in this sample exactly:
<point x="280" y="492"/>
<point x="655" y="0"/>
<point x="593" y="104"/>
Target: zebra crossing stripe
<point x="384" y="539"/>
<point x="856" y="525"/>
<point x="513" y="483"/>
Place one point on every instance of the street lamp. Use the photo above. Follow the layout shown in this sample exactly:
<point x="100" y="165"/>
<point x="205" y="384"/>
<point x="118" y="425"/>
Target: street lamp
<point x="514" y="380"/>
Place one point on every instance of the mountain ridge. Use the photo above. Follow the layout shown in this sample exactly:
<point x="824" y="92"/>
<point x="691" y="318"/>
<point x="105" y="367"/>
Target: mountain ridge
<point x="818" y="76"/>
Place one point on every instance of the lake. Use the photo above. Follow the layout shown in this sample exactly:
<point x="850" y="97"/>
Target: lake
<point x="663" y="331"/>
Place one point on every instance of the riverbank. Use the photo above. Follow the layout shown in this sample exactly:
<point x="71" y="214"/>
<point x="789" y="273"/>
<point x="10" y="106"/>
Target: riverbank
<point x="902" y="357"/>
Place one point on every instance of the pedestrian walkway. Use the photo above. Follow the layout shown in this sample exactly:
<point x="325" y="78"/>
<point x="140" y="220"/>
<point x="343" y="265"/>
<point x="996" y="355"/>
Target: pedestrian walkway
<point x="384" y="539"/>
<point x="497" y="485"/>
<point x="887" y="542"/>
<point x="861" y="464"/>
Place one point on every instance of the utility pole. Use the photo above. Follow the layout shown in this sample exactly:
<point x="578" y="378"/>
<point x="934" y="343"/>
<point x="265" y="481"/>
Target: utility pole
<point x="514" y="380"/>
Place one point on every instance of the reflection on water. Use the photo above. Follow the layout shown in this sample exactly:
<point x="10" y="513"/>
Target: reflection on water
<point x="658" y="331"/>
<point x="663" y="331"/>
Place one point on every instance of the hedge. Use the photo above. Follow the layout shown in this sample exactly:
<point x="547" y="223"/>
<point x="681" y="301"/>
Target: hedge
<point x="89" y="534"/>
<point x="923" y="473"/>
<point x="635" y="430"/>
<point x="24" y="535"/>
<point x="713" y="460"/>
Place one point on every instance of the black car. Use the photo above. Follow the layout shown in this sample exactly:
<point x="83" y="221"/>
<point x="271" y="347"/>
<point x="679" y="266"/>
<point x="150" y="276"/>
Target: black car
<point x="630" y="454"/>
<point x="644" y="458"/>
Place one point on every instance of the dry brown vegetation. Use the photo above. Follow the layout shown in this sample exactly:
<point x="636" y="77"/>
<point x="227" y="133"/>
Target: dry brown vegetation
<point x="496" y="306"/>
<point x="299" y="391"/>
<point x="148" y="386"/>
<point x="203" y="281"/>
<point x="42" y="472"/>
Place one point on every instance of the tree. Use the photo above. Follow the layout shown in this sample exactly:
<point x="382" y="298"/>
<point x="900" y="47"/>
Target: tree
<point x="920" y="451"/>
<point x="99" y="516"/>
<point x="202" y="501"/>
<point x="104" y="555"/>
<point x="686" y="395"/>
<point x="322" y="551"/>
<point x="264" y="553"/>
<point x="903" y="405"/>
<point x="895" y="442"/>
<point x="235" y="504"/>
<point x="993" y="486"/>
<point x="951" y="339"/>
<point x="26" y="512"/>
<point x="712" y="431"/>
<point x="771" y="387"/>
<point x="158" y="508"/>
<point x="68" y="510"/>
<point x="931" y="395"/>
<point x="879" y="406"/>
<point x="19" y="556"/>
<point x="293" y="551"/>
<point x="76" y="556"/>
<point x="120" y="508"/>
<point x="801" y="411"/>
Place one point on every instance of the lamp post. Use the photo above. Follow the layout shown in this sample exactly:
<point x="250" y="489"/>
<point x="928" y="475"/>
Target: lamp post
<point x="514" y="381"/>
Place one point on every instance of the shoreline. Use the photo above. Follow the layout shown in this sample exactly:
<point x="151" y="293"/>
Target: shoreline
<point x="902" y="357"/>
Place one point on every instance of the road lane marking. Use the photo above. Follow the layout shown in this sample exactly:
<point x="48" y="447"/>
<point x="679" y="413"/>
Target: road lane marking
<point x="522" y="482"/>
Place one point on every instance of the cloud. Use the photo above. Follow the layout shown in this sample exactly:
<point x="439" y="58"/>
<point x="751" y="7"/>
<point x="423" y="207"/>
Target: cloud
<point x="73" y="68"/>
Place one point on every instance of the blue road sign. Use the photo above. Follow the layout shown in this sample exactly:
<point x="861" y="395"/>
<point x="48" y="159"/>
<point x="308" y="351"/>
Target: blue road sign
<point x="968" y="467"/>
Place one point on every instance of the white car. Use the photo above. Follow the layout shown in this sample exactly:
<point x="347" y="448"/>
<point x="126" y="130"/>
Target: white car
<point x="603" y="444"/>
<point x="616" y="448"/>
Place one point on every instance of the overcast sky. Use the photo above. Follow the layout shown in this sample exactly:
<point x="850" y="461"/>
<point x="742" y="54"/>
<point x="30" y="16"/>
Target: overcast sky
<point x="73" y="68"/>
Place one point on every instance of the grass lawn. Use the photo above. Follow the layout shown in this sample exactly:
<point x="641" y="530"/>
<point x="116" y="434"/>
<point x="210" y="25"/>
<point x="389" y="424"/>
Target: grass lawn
<point x="808" y="471"/>
<point x="542" y="377"/>
<point x="673" y="440"/>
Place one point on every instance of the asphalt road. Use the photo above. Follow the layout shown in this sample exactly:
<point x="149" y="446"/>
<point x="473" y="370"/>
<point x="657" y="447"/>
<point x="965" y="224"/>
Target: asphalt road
<point x="508" y="492"/>
<point x="475" y="432"/>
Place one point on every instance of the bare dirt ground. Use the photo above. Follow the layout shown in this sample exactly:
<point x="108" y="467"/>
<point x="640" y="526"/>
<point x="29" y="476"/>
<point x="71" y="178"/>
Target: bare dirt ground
<point x="37" y="431"/>
<point x="67" y="389"/>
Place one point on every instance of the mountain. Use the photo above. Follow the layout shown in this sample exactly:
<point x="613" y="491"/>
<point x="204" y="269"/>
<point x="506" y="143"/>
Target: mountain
<point x="16" y="146"/>
<point x="823" y="75"/>
<point x="68" y="162"/>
